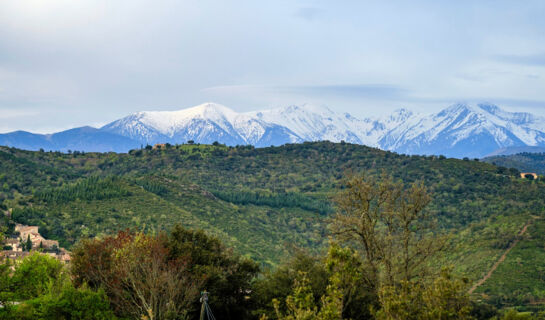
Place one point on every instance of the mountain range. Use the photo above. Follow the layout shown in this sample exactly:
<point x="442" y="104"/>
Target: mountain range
<point x="460" y="130"/>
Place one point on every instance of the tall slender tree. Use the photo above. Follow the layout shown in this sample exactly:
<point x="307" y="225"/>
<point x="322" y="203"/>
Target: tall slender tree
<point x="28" y="244"/>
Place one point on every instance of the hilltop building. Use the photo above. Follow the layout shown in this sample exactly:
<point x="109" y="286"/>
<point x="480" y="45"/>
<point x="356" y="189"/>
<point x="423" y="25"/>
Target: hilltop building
<point x="524" y="175"/>
<point x="16" y="246"/>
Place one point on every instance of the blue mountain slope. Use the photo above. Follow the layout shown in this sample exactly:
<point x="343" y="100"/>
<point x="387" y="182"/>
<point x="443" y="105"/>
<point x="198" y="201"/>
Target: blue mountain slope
<point x="82" y="139"/>
<point x="461" y="130"/>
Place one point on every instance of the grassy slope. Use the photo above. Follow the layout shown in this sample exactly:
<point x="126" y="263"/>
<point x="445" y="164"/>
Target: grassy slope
<point x="273" y="198"/>
<point x="520" y="279"/>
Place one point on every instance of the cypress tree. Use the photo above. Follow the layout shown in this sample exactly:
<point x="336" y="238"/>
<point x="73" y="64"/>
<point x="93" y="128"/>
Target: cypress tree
<point x="28" y="243"/>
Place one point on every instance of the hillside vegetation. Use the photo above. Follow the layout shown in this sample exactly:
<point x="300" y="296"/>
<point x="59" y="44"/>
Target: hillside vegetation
<point x="525" y="162"/>
<point x="266" y="202"/>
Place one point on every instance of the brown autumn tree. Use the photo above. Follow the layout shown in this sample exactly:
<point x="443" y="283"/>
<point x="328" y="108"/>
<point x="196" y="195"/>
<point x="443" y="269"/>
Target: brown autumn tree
<point x="389" y="225"/>
<point x="140" y="277"/>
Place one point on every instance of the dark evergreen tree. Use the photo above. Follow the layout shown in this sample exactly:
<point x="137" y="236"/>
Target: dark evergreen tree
<point x="28" y="244"/>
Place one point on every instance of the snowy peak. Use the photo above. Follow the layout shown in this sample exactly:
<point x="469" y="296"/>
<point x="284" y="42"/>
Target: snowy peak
<point x="459" y="130"/>
<point x="465" y="129"/>
<point x="309" y="122"/>
<point x="169" y="122"/>
<point x="490" y="108"/>
<point x="400" y="115"/>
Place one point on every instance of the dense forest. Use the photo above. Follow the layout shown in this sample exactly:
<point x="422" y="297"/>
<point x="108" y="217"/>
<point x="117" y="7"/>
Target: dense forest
<point x="269" y="204"/>
<point x="525" y="162"/>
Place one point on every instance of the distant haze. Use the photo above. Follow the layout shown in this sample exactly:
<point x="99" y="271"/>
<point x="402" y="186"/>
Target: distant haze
<point x="66" y="63"/>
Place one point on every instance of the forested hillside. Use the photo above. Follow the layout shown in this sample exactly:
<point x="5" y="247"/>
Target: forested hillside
<point x="525" y="162"/>
<point x="265" y="202"/>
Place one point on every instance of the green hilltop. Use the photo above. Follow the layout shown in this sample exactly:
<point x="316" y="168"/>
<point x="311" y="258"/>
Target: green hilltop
<point x="266" y="202"/>
<point x="525" y="162"/>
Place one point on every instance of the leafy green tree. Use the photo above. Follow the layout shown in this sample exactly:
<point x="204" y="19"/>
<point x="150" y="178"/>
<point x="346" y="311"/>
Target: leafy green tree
<point x="139" y="275"/>
<point x="6" y="294"/>
<point x="42" y="289"/>
<point x="388" y="223"/>
<point x="227" y="276"/>
<point x="65" y="303"/>
<point x="301" y="303"/>
<point x="345" y="268"/>
<point x="512" y="314"/>
<point x="445" y="299"/>
<point x="32" y="276"/>
<point x="343" y="297"/>
<point x="278" y="283"/>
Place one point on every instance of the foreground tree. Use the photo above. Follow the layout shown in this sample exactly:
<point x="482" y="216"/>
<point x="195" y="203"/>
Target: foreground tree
<point x="224" y="274"/>
<point x="138" y="275"/>
<point x="344" y="296"/>
<point x="444" y="298"/>
<point x="388" y="224"/>
<point x="327" y="280"/>
<point x="278" y="283"/>
<point x="159" y="277"/>
<point x="39" y="287"/>
<point x="32" y="276"/>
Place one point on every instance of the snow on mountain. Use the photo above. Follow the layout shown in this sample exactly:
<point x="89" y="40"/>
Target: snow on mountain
<point x="204" y="123"/>
<point x="312" y="123"/>
<point x="460" y="130"/>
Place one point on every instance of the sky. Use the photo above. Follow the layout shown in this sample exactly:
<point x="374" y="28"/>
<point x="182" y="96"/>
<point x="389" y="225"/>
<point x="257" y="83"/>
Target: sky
<point x="66" y="63"/>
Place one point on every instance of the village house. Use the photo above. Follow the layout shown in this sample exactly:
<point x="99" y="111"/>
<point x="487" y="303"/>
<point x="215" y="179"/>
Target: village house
<point x="16" y="250"/>
<point x="35" y="237"/>
<point x="525" y="175"/>
<point x="14" y="255"/>
<point x="15" y="244"/>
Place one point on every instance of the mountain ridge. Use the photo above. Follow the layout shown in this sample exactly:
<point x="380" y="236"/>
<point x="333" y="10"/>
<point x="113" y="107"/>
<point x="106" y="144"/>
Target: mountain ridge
<point x="460" y="130"/>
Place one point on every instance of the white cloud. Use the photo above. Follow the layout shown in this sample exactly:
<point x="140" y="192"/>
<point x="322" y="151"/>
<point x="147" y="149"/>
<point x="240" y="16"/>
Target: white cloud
<point x="102" y="59"/>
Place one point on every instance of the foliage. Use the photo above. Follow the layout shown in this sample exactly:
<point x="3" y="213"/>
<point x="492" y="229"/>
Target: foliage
<point x="525" y="162"/>
<point x="276" y="200"/>
<point x="226" y="276"/>
<point x="278" y="283"/>
<point x="262" y="201"/>
<point x="444" y="299"/>
<point x="140" y="276"/>
<point x="524" y="267"/>
<point x="347" y="276"/>
<point x="32" y="276"/>
<point x="39" y="287"/>
<point x="66" y="303"/>
<point x="93" y="188"/>
<point x="342" y="292"/>
<point x="159" y="277"/>
<point x="389" y="224"/>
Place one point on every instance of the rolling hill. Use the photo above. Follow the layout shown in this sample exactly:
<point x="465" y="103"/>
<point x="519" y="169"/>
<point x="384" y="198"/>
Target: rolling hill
<point x="265" y="201"/>
<point x="525" y="161"/>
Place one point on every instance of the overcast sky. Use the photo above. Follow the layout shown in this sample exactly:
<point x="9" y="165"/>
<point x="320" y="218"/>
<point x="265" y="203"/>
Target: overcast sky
<point x="66" y="63"/>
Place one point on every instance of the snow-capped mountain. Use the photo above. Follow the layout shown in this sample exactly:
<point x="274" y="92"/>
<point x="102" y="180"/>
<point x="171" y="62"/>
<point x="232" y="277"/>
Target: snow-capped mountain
<point x="465" y="130"/>
<point x="461" y="130"/>
<point x="205" y="123"/>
